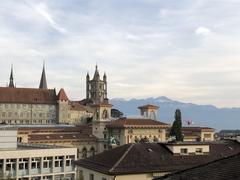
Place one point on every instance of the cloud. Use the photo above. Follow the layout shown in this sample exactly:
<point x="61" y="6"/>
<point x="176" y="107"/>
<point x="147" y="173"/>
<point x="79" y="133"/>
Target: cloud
<point x="43" y="11"/>
<point x="147" y="48"/>
<point x="202" y="31"/>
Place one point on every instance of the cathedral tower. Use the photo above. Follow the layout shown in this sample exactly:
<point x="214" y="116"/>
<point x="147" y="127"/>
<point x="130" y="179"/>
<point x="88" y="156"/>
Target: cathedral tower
<point x="96" y="89"/>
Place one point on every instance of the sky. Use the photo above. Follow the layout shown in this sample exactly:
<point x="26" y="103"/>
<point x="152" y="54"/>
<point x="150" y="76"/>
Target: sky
<point x="186" y="50"/>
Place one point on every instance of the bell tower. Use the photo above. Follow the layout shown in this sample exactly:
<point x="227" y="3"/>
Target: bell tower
<point x="96" y="89"/>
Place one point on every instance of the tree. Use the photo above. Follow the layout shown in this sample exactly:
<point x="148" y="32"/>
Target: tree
<point x="176" y="129"/>
<point x="115" y="113"/>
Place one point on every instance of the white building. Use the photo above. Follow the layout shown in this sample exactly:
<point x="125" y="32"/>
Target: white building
<point x="34" y="162"/>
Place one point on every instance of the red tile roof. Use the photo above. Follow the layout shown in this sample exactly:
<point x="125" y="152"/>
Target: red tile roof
<point x="77" y="106"/>
<point x="122" y="123"/>
<point x="62" y="95"/>
<point x="27" y="95"/>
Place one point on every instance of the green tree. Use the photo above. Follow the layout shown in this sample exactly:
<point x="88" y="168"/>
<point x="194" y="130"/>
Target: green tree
<point x="115" y="113"/>
<point x="176" y="129"/>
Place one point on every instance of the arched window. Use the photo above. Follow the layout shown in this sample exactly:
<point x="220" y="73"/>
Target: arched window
<point x="105" y="114"/>
<point x="92" y="151"/>
<point x="84" y="152"/>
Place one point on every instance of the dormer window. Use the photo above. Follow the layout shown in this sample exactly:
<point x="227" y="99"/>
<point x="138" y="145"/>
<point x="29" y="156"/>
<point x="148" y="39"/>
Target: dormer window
<point x="199" y="150"/>
<point x="183" y="151"/>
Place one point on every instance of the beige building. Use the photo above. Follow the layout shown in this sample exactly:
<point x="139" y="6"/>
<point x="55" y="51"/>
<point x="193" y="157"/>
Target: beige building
<point x="125" y="131"/>
<point x="79" y="137"/>
<point x="203" y="134"/>
<point x="41" y="105"/>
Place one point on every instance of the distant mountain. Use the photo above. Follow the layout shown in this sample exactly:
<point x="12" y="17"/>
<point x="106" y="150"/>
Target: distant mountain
<point x="201" y="115"/>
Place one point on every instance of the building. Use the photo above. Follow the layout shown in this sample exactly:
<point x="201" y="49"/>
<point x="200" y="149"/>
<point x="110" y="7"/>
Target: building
<point x="134" y="130"/>
<point x="79" y="137"/>
<point x="36" y="162"/>
<point x="198" y="134"/>
<point x="145" y="161"/>
<point x="126" y="130"/>
<point x="221" y="169"/>
<point x="226" y="134"/>
<point x="44" y="106"/>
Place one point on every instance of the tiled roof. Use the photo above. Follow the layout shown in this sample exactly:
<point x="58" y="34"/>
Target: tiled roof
<point x="148" y="106"/>
<point x="27" y="95"/>
<point x="62" y="95"/>
<point x="61" y="137"/>
<point x="77" y="106"/>
<point x="227" y="168"/>
<point x="197" y="129"/>
<point x="86" y="129"/>
<point x="124" y="122"/>
<point x="153" y="157"/>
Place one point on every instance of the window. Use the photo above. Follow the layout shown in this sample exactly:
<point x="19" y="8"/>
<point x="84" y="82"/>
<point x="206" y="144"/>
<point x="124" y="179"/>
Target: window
<point x="91" y="176"/>
<point x="84" y="153"/>
<point x="47" y="162"/>
<point x="92" y="151"/>
<point x="199" y="150"/>
<point x="11" y="164"/>
<point x="184" y="151"/>
<point x="23" y="164"/>
<point x="207" y="135"/>
<point x="58" y="161"/>
<point x="36" y="163"/>
<point x="69" y="160"/>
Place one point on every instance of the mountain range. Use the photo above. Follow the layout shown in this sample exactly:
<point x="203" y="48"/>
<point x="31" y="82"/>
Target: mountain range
<point x="200" y="115"/>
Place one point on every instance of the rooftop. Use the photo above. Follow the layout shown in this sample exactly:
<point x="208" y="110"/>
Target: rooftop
<point x="221" y="169"/>
<point x="153" y="157"/>
<point x="27" y="95"/>
<point x="127" y="122"/>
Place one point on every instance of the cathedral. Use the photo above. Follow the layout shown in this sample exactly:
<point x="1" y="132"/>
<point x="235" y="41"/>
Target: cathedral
<point x="45" y="106"/>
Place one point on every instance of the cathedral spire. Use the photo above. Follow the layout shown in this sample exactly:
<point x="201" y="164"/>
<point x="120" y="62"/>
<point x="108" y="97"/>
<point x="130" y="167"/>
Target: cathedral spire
<point x="11" y="83"/>
<point x="43" y="81"/>
<point x="96" y="74"/>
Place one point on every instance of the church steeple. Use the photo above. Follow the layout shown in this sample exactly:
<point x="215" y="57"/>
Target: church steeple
<point x="96" y="74"/>
<point x="11" y="83"/>
<point x="43" y="81"/>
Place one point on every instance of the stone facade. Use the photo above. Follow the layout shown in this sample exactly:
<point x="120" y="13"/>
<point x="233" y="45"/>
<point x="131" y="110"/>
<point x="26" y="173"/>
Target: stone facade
<point x="18" y="113"/>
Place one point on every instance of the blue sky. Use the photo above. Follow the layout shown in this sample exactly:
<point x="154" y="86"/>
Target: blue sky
<point x="186" y="50"/>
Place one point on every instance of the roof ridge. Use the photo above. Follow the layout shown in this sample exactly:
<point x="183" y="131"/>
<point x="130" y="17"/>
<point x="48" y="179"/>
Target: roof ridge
<point x="122" y="157"/>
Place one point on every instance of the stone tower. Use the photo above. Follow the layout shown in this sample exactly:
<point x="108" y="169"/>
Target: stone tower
<point x="96" y="98"/>
<point x="11" y="82"/>
<point x="96" y="89"/>
<point x="62" y="107"/>
<point x="43" y="81"/>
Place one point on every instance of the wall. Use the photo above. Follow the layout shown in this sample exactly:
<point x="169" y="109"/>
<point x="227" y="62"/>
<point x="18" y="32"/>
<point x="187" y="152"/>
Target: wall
<point x="176" y="149"/>
<point x="128" y="135"/>
<point x="27" y="113"/>
<point x="8" y="139"/>
<point x="99" y="176"/>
